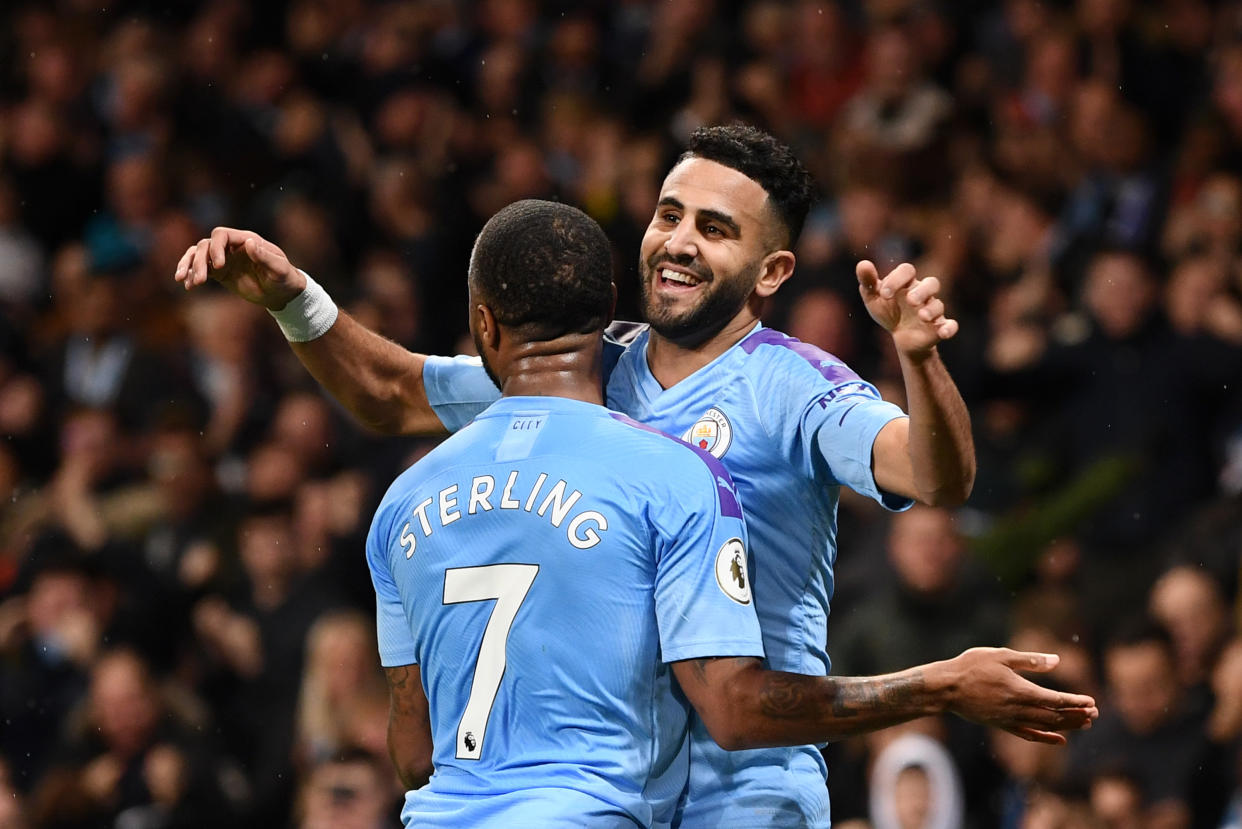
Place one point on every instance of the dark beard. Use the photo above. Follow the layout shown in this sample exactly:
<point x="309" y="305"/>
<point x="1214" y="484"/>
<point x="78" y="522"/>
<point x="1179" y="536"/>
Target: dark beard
<point x="721" y="302"/>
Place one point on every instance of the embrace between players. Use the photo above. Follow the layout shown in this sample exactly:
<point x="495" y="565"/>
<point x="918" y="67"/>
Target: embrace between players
<point x="578" y="625"/>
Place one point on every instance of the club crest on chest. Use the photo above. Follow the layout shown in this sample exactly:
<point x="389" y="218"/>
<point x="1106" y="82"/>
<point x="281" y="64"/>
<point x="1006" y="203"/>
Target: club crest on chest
<point x="713" y="433"/>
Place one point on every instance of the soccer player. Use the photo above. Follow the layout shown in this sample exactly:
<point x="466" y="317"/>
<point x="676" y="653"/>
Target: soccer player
<point x="535" y="581"/>
<point x="791" y="423"/>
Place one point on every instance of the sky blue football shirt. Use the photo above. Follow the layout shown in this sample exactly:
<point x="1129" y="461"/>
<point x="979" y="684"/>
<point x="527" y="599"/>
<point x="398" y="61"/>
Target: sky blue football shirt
<point x="542" y="567"/>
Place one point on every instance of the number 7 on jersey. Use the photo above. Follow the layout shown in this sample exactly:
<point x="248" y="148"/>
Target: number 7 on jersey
<point x="508" y="585"/>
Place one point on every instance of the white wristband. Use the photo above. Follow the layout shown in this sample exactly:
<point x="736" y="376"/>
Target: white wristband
<point x="308" y="316"/>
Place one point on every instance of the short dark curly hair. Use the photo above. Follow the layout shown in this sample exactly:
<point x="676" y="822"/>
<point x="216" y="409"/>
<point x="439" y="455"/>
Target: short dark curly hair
<point x="763" y="159"/>
<point x="546" y="267"/>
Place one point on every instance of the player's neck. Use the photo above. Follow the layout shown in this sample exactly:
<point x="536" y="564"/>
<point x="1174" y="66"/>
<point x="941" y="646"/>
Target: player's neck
<point x="570" y="366"/>
<point x="671" y="362"/>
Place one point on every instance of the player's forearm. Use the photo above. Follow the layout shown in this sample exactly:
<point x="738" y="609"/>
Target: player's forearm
<point x="942" y="451"/>
<point x="410" y="758"/>
<point x="409" y="728"/>
<point x="776" y="708"/>
<point x="377" y="381"/>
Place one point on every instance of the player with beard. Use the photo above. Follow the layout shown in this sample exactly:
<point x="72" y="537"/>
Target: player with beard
<point x="791" y="423"/>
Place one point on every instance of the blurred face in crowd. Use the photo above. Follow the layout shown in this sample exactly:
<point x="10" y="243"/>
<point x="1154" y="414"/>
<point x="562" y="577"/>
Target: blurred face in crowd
<point x="55" y="596"/>
<point x="1143" y="683"/>
<point x="303" y="422"/>
<point x="925" y="549"/>
<point x="1025" y="760"/>
<point x="1187" y="601"/>
<point x="123" y="702"/>
<point x="177" y="465"/>
<point x="1191" y="288"/>
<point x="1119" y="294"/>
<point x="134" y="189"/>
<point x="1118" y="800"/>
<point x="913" y="796"/>
<point x="704" y="251"/>
<point x="340" y="649"/>
<point x="347" y="795"/>
<point x="267" y="547"/>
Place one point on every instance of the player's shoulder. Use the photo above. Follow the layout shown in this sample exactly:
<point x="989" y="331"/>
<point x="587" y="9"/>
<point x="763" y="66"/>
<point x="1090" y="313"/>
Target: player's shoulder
<point x="784" y="371"/>
<point x="767" y="348"/>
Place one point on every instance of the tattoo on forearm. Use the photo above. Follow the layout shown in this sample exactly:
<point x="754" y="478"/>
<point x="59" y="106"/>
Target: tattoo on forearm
<point x="860" y="696"/>
<point x="791" y="696"/>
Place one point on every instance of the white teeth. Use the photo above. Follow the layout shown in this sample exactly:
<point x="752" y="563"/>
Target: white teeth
<point x="678" y="277"/>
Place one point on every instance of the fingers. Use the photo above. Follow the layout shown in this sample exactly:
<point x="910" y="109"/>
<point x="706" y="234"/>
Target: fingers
<point x="264" y="253"/>
<point x="197" y="265"/>
<point x="223" y="238"/>
<point x="1056" y="720"/>
<point x="183" y="265"/>
<point x="868" y="277"/>
<point x="1034" y="735"/>
<point x="922" y="290"/>
<point x="1029" y="660"/>
<point x="898" y="278"/>
<point x="932" y="310"/>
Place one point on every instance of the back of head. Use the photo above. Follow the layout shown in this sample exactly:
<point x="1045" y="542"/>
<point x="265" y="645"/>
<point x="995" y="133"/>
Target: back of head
<point x="544" y="267"/>
<point x="766" y="161"/>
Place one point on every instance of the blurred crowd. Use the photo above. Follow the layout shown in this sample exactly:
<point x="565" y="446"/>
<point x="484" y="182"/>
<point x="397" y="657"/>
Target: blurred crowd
<point x="186" y="633"/>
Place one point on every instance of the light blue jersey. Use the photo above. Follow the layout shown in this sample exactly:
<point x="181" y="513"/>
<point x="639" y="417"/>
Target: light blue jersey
<point x="793" y="425"/>
<point x="542" y="567"/>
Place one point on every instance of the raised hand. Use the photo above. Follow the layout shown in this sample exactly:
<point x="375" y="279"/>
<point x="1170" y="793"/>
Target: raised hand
<point x="987" y="689"/>
<point x="245" y="263"/>
<point x="907" y="307"/>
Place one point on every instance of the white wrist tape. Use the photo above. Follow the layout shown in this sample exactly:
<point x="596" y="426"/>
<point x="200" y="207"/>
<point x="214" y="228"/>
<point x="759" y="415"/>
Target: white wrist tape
<point x="308" y="316"/>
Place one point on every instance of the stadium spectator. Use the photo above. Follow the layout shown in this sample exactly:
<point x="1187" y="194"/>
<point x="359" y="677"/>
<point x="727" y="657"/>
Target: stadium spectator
<point x="935" y="605"/>
<point x="1152" y="730"/>
<point x="135" y="748"/>
<point x="349" y="789"/>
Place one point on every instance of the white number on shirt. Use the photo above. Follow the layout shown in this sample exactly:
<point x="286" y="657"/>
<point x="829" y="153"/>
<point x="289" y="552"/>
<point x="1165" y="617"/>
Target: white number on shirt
<point x="508" y="585"/>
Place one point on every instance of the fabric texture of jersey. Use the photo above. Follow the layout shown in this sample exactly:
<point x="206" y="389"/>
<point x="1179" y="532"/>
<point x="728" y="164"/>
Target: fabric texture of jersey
<point x="792" y="424"/>
<point x="543" y="566"/>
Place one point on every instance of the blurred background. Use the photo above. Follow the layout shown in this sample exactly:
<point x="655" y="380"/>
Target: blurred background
<point x="186" y="620"/>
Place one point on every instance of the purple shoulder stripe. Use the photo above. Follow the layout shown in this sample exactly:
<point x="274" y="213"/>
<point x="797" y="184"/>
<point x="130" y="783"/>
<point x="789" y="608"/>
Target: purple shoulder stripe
<point x="832" y="369"/>
<point x="729" y="506"/>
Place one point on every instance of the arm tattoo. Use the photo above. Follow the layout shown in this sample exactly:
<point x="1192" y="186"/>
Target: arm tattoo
<point x="791" y="696"/>
<point x="400" y="685"/>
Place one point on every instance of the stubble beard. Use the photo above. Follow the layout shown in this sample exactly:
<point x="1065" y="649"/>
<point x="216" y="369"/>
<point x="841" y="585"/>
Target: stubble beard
<point x="723" y="297"/>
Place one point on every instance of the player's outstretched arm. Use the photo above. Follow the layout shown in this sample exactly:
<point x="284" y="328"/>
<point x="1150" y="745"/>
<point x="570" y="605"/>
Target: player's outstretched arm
<point x="930" y="456"/>
<point x="378" y="381"/>
<point x="409" y="726"/>
<point x="745" y="706"/>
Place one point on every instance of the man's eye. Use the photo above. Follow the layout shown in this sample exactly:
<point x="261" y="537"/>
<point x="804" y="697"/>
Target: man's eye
<point x="671" y="218"/>
<point x="713" y="230"/>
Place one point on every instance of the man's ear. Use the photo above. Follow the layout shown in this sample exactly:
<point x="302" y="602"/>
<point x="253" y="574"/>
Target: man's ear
<point x="612" y="310"/>
<point x="777" y="267"/>
<point x="487" y="327"/>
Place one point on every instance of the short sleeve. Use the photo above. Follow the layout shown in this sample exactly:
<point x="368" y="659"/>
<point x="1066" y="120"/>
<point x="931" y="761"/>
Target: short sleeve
<point x="392" y="628"/>
<point x="703" y="596"/>
<point x="458" y="389"/>
<point x="842" y="426"/>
